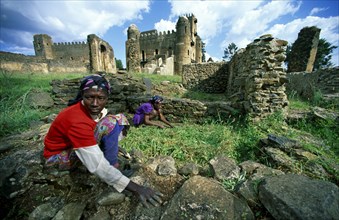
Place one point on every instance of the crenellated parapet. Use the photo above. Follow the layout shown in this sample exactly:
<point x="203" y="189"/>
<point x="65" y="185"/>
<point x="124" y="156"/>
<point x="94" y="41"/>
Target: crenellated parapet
<point x="70" y="43"/>
<point x="69" y="46"/>
<point x="154" y="33"/>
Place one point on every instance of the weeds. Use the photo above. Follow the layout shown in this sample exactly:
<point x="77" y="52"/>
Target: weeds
<point x="230" y="184"/>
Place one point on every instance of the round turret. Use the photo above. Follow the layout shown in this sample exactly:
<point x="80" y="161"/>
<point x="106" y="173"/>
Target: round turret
<point x="133" y="32"/>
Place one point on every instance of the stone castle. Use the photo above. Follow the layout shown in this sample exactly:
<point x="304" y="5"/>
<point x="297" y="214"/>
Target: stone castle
<point x="96" y="53"/>
<point x="81" y="57"/>
<point x="164" y="52"/>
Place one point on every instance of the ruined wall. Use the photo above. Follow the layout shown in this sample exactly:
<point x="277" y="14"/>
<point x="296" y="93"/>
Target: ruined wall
<point x="122" y="87"/>
<point x="305" y="84"/>
<point x="67" y="57"/>
<point x="206" y="77"/>
<point x="101" y="55"/>
<point x="26" y="64"/>
<point x="77" y="51"/>
<point x="128" y="94"/>
<point x="133" y="49"/>
<point x="304" y="50"/>
<point x="257" y="80"/>
<point x="44" y="47"/>
<point x="254" y="80"/>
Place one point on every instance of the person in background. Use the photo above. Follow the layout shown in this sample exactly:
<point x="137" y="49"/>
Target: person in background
<point x="148" y="111"/>
<point x="71" y="138"/>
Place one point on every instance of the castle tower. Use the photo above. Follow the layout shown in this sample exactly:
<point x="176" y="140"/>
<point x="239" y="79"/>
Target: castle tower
<point x="43" y="46"/>
<point x="133" y="49"/>
<point x="182" y="47"/>
<point x="101" y="55"/>
<point x="195" y="39"/>
<point x="198" y="50"/>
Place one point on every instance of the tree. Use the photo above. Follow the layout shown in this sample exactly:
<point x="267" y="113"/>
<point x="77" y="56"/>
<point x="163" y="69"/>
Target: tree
<point x="203" y="51"/>
<point x="229" y="51"/>
<point x="323" y="57"/>
<point x="119" y="64"/>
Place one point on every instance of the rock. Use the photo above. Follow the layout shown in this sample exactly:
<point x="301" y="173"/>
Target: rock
<point x="294" y="196"/>
<point x="225" y="168"/>
<point x="111" y="198"/>
<point x="203" y="198"/>
<point x="70" y="211"/>
<point x="37" y="99"/>
<point x="44" y="211"/>
<point x="189" y="168"/>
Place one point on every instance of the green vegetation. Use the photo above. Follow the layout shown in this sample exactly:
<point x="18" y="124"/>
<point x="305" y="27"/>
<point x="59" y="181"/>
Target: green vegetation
<point x="119" y="64"/>
<point x="16" y="115"/>
<point x="229" y="51"/>
<point x="237" y="138"/>
<point x="157" y="79"/>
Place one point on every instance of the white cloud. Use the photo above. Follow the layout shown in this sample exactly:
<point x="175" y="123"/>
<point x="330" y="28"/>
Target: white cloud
<point x="317" y="10"/>
<point x="164" y="25"/>
<point x="234" y="21"/>
<point x="289" y="31"/>
<point x="243" y="21"/>
<point x="74" y="20"/>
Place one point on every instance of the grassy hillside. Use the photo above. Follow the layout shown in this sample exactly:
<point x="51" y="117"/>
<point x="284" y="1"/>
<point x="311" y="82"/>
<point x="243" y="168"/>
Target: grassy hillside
<point x="236" y="138"/>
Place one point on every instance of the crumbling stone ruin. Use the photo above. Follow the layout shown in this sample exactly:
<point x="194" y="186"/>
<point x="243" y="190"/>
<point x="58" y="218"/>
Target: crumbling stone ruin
<point x="253" y="81"/>
<point x="304" y="50"/>
<point x="164" y="53"/>
<point x="306" y="85"/>
<point x="94" y="55"/>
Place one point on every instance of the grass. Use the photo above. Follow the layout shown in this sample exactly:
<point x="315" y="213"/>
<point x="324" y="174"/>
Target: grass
<point x="157" y="79"/>
<point x="187" y="142"/>
<point x="16" y="115"/>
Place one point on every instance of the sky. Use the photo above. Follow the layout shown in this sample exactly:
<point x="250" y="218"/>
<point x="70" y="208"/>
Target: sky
<point x="220" y="22"/>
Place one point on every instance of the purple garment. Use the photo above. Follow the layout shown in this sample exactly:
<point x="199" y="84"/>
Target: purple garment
<point x="107" y="134"/>
<point x="139" y="115"/>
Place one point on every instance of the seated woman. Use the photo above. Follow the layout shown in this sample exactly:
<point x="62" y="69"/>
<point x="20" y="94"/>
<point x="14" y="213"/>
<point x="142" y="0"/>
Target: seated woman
<point x="71" y="138"/>
<point x="149" y="111"/>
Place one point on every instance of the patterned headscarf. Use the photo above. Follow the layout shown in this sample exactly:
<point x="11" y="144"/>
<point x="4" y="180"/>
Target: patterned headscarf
<point x="93" y="81"/>
<point x="156" y="99"/>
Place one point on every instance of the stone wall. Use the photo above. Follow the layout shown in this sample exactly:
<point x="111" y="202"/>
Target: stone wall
<point x="254" y="80"/>
<point x="257" y="80"/>
<point x="67" y="57"/>
<point x="305" y="84"/>
<point x="122" y="87"/>
<point x="26" y="64"/>
<point x="129" y="93"/>
<point x="207" y="77"/>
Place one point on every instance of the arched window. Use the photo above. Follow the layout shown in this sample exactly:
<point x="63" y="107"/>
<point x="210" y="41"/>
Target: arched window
<point x="102" y="48"/>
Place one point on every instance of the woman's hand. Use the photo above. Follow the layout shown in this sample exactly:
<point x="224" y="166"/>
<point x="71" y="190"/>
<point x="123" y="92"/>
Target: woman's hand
<point x="145" y="194"/>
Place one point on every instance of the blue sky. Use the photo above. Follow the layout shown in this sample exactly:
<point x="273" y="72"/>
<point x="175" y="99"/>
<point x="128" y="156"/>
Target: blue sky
<point x="219" y="22"/>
